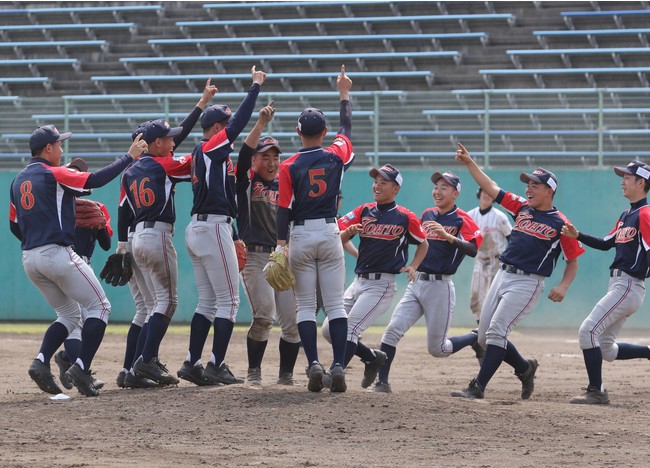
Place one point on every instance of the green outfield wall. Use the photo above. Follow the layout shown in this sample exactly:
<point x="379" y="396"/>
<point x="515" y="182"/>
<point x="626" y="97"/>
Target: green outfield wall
<point x="591" y="199"/>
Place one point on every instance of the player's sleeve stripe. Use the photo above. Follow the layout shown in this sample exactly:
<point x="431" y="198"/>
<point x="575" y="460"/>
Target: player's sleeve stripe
<point x="216" y="142"/>
<point x="179" y="168"/>
<point x="644" y="225"/>
<point x="13" y="215"/>
<point x="71" y="179"/>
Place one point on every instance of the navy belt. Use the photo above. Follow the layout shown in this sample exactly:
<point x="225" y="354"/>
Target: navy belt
<point x="617" y="272"/>
<point x="370" y="276"/>
<point x="260" y="248"/>
<point x="204" y="217"/>
<point x="301" y="222"/>
<point x="431" y="276"/>
<point x="514" y="270"/>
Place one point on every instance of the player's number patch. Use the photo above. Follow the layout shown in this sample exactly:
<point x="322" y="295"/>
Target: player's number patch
<point x="318" y="186"/>
<point x="26" y="195"/>
<point x="142" y="195"/>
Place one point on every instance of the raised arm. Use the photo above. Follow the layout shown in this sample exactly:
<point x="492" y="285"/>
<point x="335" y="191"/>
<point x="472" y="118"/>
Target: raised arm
<point x="344" y="84"/>
<point x="487" y="185"/>
<point x="189" y="122"/>
<point x="248" y="149"/>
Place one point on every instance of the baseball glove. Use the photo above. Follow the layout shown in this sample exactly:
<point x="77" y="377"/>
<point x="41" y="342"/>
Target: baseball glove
<point x="277" y="271"/>
<point x="127" y="270"/>
<point x="89" y="214"/>
<point x="112" y="271"/>
<point x="242" y="256"/>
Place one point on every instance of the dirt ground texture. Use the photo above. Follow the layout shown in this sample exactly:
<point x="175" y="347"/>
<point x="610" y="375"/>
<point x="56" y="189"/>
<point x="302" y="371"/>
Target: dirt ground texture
<point x="419" y="424"/>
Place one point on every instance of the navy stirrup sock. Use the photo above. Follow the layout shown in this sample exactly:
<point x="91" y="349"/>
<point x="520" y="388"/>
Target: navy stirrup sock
<point x="72" y="350"/>
<point x="366" y="354"/>
<point x="288" y="355"/>
<point x="307" y="332"/>
<point x="630" y="351"/>
<point x="493" y="358"/>
<point x="222" y="333"/>
<point x="515" y="360"/>
<point x="459" y="342"/>
<point x="131" y="345"/>
<point x="199" y="329"/>
<point x="92" y="335"/>
<point x="158" y="324"/>
<point x="339" y="335"/>
<point x="255" y="351"/>
<point x="142" y="338"/>
<point x="384" y="370"/>
<point x="594" y="363"/>
<point x="350" y="351"/>
<point x="54" y="337"/>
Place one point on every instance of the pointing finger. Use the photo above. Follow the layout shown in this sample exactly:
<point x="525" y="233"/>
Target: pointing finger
<point x="463" y="149"/>
<point x="342" y="70"/>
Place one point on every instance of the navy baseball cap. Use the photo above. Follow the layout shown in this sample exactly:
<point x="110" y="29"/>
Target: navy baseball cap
<point x="43" y="136"/>
<point x="139" y="129"/>
<point x="267" y="142"/>
<point x="312" y="122"/>
<point x="159" y="129"/>
<point x="388" y="172"/>
<point x="636" y="167"/>
<point x="80" y="164"/>
<point x="542" y="176"/>
<point x="214" y="114"/>
<point x="449" y="177"/>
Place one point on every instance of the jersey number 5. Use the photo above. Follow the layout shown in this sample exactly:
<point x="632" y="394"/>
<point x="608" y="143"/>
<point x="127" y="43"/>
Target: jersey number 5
<point x="142" y="195"/>
<point x="318" y="186"/>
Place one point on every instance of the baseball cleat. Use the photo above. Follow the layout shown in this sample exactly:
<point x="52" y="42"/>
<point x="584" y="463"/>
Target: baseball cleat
<point x="42" y="375"/>
<point x="135" y="381"/>
<point x="382" y="387"/>
<point x="315" y="375"/>
<point x="592" y="396"/>
<point x="473" y="391"/>
<point x="372" y="368"/>
<point x="154" y="370"/>
<point x="286" y="378"/>
<point x="63" y="365"/>
<point x="96" y="382"/>
<point x="220" y="375"/>
<point x="120" y="379"/>
<point x="254" y="377"/>
<point x="193" y="374"/>
<point x="82" y="380"/>
<point x="334" y="379"/>
<point x="528" y="379"/>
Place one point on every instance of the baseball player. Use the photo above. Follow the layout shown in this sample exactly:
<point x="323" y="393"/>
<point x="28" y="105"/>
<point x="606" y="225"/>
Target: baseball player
<point x="385" y="229"/>
<point x="631" y="239"/>
<point x="451" y="235"/>
<point x="495" y="229"/>
<point x="84" y="245"/>
<point x="257" y="197"/>
<point x="309" y="186"/>
<point x="209" y="238"/>
<point x="42" y="216"/>
<point x="535" y="244"/>
<point x="142" y="299"/>
<point x="148" y="189"/>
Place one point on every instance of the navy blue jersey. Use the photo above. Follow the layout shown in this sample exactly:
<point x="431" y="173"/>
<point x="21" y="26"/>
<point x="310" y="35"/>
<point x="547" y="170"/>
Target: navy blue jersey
<point x="385" y="236"/>
<point x="257" y="203"/>
<point x="213" y="177"/>
<point x="536" y="241"/>
<point x="148" y="187"/>
<point x="310" y="180"/>
<point x="42" y="203"/>
<point x="631" y="237"/>
<point x="442" y="257"/>
<point x="85" y="238"/>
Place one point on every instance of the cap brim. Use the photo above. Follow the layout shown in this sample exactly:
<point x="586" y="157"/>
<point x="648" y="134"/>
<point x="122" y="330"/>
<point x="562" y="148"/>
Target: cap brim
<point x="64" y="136"/>
<point x="267" y="147"/>
<point x="437" y="176"/>
<point x="621" y="171"/>
<point x="374" y="172"/>
<point x="525" y="178"/>
<point x="174" y="131"/>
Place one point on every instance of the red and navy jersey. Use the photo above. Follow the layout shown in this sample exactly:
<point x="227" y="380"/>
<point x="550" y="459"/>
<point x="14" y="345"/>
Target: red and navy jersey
<point x="257" y="203"/>
<point x="535" y="240"/>
<point x="442" y="257"/>
<point x="631" y="235"/>
<point x="213" y="177"/>
<point x="148" y="186"/>
<point x="310" y="180"/>
<point x="387" y="231"/>
<point x="42" y="203"/>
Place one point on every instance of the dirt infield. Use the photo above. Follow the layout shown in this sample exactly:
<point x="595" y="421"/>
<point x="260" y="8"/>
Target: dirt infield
<point x="418" y="425"/>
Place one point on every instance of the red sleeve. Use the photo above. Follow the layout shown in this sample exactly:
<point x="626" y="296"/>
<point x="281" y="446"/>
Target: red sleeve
<point x="217" y="141"/>
<point x="180" y="168"/>
<point x="572" y="248"/>
<point x="285" y="198"/>
<point x="70" y="178"/>
<point x="469" y="230"/>
<point x="342" y="147"/>
<point x="13" y="216"/>
<point x="512" y="203"/>
<point x="353" y="217"/>
<point x="415" y="227"/>
<point x="108" y="218"/>
<point x="644" y="226"/>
